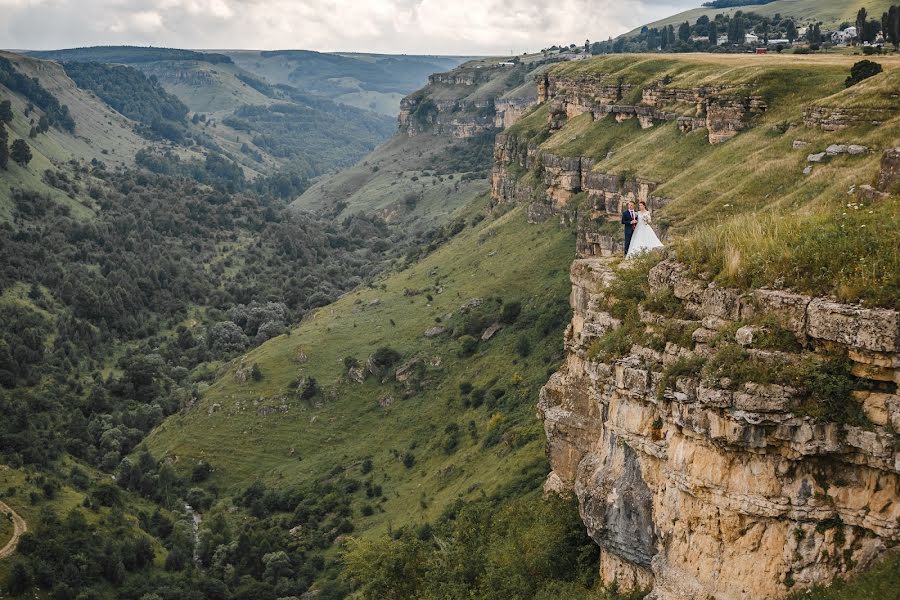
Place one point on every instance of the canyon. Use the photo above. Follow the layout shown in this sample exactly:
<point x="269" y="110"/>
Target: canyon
<point x="699" y="486"/>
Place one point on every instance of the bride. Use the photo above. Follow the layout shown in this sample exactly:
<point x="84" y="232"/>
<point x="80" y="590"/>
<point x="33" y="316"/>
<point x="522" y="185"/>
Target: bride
<point x="644" y="238"/>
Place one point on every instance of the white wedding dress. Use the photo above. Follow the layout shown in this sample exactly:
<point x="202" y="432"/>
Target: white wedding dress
<point x="644" y="238"/>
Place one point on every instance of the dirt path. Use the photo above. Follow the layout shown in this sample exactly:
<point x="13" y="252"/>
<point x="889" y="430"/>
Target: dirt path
<point x="19" y="527"/>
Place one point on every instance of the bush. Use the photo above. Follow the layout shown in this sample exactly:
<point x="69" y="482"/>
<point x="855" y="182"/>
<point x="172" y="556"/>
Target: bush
<point x="523" y="346"/>
<point x="510" y="312"/>
<point x="409" y="460"/>
<point x="467" y="345"/>
<point x="862" y="70"/>
<point x="385" y="357"/>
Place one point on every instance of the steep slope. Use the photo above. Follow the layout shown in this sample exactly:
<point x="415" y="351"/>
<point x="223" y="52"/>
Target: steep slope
<point x="831" y="13"/>
<point x="100" y="134"/>
<point x="263" y="127"/>
<point x="691" y="418"/>
<point x="441" y="152"/>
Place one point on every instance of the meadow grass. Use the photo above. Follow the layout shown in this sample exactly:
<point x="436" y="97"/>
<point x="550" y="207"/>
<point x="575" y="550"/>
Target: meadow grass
<point x="501" y="257"/>
<point x="743" y="210"/>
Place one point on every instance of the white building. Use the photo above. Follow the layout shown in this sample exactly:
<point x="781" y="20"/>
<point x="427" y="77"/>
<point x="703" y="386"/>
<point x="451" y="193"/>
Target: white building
<point x="842" y="38"/>
<point x="751" y="39"/>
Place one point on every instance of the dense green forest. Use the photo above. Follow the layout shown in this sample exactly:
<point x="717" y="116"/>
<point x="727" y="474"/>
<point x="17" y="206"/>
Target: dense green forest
<point x="137" y="97"/>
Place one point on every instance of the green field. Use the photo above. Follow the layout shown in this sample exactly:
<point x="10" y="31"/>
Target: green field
<point x="831" y="13"/>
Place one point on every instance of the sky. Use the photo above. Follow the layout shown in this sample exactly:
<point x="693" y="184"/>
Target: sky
<point x="462" y="27"/>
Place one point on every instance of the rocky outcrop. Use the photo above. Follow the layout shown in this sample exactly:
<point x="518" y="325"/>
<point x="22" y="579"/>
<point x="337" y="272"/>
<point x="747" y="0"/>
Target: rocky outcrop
<point x="458" y="119"/>
<point x="723" y="112"/>
<point x="836" y="119"/>
<point x="700" y="488"/>
<point x="557" y="181"/>
<point x="889" y="174"/>
<point x="455" y="105"/>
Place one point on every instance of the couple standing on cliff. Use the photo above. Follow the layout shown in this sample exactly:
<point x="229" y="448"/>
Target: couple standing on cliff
<point x="639" y="236"/>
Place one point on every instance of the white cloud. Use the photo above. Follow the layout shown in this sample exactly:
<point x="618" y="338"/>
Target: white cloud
<point x="411" y="26"/>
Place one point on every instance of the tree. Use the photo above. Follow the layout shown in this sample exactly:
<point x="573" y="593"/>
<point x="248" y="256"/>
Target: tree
<point x="791" y="31"/>
<point x="862" y="70"/>
<point x="20" y="152"/>
<point x="684" y="32"/>
<point x="43" y="124"/>
<point x="861" y="24"/>
<point x="814" y="36"/>
<point x="4" y="147"/>
<point x="19" y="579"/>
<point x="713" y="34"/>
<point x="6" y="115"/>
<point x="892" y="28"/>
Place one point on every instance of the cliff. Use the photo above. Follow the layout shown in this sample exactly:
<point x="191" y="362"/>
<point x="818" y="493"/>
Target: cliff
<point x="699" y="483"/>
<point x="477" y="97"/>
<point x="723" y="441"/>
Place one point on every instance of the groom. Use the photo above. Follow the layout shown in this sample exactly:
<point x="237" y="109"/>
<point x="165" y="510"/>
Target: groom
<point x="629" y="220"/>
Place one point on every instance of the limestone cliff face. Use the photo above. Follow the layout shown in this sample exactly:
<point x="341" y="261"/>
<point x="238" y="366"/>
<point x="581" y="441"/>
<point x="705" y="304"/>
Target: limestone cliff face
<point x="557" y="181"/>
<point x="465" y="102"/>
<point x="724" y="112"/>
<point x="694" y="484"/>
<point x="698" y="489"/>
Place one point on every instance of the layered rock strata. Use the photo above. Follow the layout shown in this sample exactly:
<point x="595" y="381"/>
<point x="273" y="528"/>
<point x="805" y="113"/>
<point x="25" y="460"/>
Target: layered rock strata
<point x="569" y="187"/>
<point x="701" y="489"/>
<point x="835" y="119"/>
<point x="723" y="112"/>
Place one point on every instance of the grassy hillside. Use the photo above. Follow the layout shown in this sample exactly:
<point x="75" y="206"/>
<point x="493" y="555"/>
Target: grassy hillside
<point x="398" y="181"/>
<point x="831" y="13"/>
<point x="725" y="217"/>
<point x="286" y="440"/>
<point x="374" y="82"/>
<point x="100" y="134"/>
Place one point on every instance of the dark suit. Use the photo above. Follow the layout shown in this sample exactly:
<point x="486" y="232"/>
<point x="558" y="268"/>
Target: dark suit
<point x="627" y="217"/>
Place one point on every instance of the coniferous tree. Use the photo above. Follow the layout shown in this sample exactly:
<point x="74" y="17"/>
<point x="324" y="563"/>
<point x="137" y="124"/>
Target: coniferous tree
<point x="790" y="31"/>
<point x="20" y="152"/>
<point x="684" y="32"/>
<point x="713" y="34"/>
<point x="861" y="24"/>
<point x="892" y="30"/>
<point x="671" y="31"/>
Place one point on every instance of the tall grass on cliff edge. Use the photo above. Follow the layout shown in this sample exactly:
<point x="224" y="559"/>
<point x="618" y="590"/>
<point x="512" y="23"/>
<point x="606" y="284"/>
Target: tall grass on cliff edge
<point x="850" y="251"/>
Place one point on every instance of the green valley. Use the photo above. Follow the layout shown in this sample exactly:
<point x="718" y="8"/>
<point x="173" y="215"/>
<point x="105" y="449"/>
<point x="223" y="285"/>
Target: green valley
<point x="299" y="325"/>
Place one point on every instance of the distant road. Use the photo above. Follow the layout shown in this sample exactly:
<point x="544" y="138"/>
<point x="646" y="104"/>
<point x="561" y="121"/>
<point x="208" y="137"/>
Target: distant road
<point x="19" y="527"/>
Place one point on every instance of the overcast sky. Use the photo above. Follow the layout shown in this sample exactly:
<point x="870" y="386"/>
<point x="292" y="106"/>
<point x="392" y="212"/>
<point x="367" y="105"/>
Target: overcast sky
<point x="390" y="26"/>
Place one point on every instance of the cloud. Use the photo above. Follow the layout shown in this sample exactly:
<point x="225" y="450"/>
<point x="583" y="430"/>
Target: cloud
<point x="411" y="26"/>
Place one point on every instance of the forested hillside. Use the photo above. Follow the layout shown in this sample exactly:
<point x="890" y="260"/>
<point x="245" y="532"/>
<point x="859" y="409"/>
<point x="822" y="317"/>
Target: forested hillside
<point x="257" y="342"/>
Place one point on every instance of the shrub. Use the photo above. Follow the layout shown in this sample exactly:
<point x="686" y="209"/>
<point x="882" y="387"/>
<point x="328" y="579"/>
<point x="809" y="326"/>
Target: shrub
<point x="862" y="70"/>
<point x="409" y="460"/>
<point x="510" y="312"/>
<point x="256" y="373"/>
<point x="465" y="388"/>
<point x="467" y="345"/>
<point x="385" y="357"/>
<point x="683" y="367"/>
<point x="523" y="346"/>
